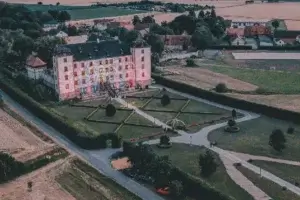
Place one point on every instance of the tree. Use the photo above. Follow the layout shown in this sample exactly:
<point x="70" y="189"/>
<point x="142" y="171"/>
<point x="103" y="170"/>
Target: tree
<point x="110" y="110"/>
<point x="290" y="130"/>
<point x="190" y="62"/>
<point x="231" y="123"/>
<point x="23" y="46"/>
<point x="275" y="24"/>
<point x="192" y="13"/>
<point x="202" y="38"/>
<point x="9" y="167"/>
<point x="164" y="24"/>
<point x="165" y="100"/>
<point x="207" y="164"/>
<point x="29" y="186"/>
<point x="221" y="88"/>
<point x="277" y="140"/>
<point x="201" y="14"/>
<point x="136" y="19"/>
<point x="54" y="14"/>
<point x="176" y="189"/>
<point x="131" y="36"/>
<point x="57" y="3"/>
<point x="213" y="13"/>
<point x="148" y="20"/>
<point x="156" y="43"/>
<point x="63" y="16"/>
<point x="164" y="140"/>
<point x="233" y="113"/>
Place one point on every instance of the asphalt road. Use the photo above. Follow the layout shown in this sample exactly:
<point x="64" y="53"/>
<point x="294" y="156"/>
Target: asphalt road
<point x="99" y="159"/>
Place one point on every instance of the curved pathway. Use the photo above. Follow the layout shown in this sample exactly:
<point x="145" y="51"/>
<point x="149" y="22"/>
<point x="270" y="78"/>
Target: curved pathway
<point x="200" y="139"/>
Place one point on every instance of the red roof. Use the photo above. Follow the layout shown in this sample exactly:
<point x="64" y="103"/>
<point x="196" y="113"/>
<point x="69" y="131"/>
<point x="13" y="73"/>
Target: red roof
<point x="235" y="31"/>
<point x="33" y="61"/>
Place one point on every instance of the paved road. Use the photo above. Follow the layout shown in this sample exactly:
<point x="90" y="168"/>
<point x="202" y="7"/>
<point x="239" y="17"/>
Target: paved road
<point x="98" y="159"/>
<point x="200" y="138"/>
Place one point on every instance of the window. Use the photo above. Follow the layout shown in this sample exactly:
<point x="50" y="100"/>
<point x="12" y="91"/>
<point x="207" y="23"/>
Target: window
<point x="92" y="80"/>
<point x="66" y="77"/>
<point x="92" y="71"/>
<point x="111" y="76"/>
<point x="126" y="59"/>
<point x="126" y="67"/>
<point x="76" y="82"/>
<point x="143" y="66"/>
<point x="67" y="86"/>
<point x="106" y="69"/>
<point x="75" y="73"/>
<point x="126" y="75"/>
<point x="120" y="59"/>
<point x="143" y="74"/>
<point x="106" y="61"/>
<point x="66" y="69"/>
<point x="111" y="61"/>
<point x="143" y="59"/>
<point x="111" y="69"/>
<point x="83" y="73"/>
<point x="91" y="64"/>
<point x="75" y="66"/>
<point x="143" y="51"/>
<point x="100" y="62"/>
<point x="82" y="64"/>
<point x="120" y="68"/>
<point x="121" y="76"/>
<point x="107" y="78"/>
<point x="65" y="60"/>
<point x="83" y="81"/>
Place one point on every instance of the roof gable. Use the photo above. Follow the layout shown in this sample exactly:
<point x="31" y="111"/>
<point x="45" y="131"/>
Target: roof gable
<point x="35" y="62"/>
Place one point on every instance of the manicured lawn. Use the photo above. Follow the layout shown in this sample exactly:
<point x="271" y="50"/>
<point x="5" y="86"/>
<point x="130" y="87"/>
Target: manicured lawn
<point x="84" y="182"/>
<point x="272" y="81"/>
<point x="129" y="132"/>
<point x="270" y="188"/>
<point x="95" y="103"/>
<point x="196" y="106"/>
<point x="74" y="113"/>
<point x="288" y="173"/>
<point x="137" y="119"/>
<point x="162" y="116"/>
<point x="174" y="105"/>
<point x="253" y="138"/>
<point x="118" y="117"/>
<point x="90" y="13"/>
<point x="101" y="127"/>
<point x="185" y="157"/>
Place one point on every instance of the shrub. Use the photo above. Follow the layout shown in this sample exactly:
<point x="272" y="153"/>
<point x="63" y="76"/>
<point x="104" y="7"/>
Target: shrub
<point x="176" y="189"/>
<point x="290" y="130"/>
<point x="250" y="161"/>
<point x="231" y="123"/>
<point x="207" y="164"/>
<point x="10" y="167"/>
<point x="221" y="88"/>
<point x="164" y="140"/>
<point x="165" y="100"/>
<point x="190" y="62"/>
<point x="110" y="110"/>
<point x="277" y="140"/>
<point x="115" y="141"/>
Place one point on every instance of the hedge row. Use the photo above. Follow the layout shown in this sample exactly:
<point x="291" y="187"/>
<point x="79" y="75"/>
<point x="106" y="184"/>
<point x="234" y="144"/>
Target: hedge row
<point x="230" y="101"/>
<point x="234" y="47"/>
<point x="64" y="126"/>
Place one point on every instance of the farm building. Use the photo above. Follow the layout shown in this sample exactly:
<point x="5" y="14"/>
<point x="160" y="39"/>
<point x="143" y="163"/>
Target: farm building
<point x="287" y="36"/>
<point x="257" y="30"/>
<point x="242" y="23"/>
<point x="87" y="70"/>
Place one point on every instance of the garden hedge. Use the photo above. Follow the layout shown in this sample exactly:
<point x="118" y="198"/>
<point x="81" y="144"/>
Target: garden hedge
<point x="65" y="127"/>
<point x="274" y="48"/>
<point x="229" y="101"/>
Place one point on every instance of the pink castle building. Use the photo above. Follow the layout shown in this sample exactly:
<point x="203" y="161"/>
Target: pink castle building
<point x="86" y="70"/>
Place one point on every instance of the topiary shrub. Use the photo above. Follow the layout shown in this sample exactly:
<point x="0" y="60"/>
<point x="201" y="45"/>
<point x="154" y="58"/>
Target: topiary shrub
<point x="221" y="88"/>
<point x="290" y="130"/>
<point x="110" y="110"/>
<point x="232" y="128"/>
<point x="190" y="62"/>
<point x="164" y="142"/>
<point x="165" y="100"/>
<point x="231" y="123"/>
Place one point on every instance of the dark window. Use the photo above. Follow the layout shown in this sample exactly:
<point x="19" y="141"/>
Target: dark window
<point x="143" y="66"/>
<point x="75" y="73"/>
<point x="143" y="74"/>
<point x="75" y="65"/>
<point x="91" y="63"/>
<point x="66" y="77"/>
<point x="111" y="61"/>
<point x="66" y="69"/>
<point x="121" y="76"/>
<point x="106" y="69"/>
<point x="126" y="75"/>
<point x="76" y="82"/>
<point x="106" y="61"/>
<point x="142" y="50"/>
<point x="92" y="71"/>
<point x="83" y="73"/>
<point x="100" y="62"/>
<point x="65" y="60"/>
<point x="126" y="67"/>
<point x="83" y="81"/>
<point x="82" y="64"/>
<point x="67" y="86"/>
<point x="120" y="68"/>
<point x="143" y="59"/>
<point x="120" y="59"/>
<point x="126" y="59"/>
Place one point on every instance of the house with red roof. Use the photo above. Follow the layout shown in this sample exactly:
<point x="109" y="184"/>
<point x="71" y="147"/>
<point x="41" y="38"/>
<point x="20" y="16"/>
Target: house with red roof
<point x="35" y="67"/>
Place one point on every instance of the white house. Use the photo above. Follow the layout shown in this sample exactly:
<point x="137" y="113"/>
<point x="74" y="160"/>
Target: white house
<point x="242" y="23"/>
<point x="61" y="34"/>
<point x="279" y="42"/>
<point x="238" y="41"/>
<point x="35" y="67"/>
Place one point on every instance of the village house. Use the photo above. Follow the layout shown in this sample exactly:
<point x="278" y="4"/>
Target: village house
<point x="61" y="34"/>
<point x="35" y="67"/>
<point x="76" y="39"/>
<point x="235" y="32"/>
<point x="257" y="29"/>
<point x="242" y="23"/>
<point x="86" y="70"/>
<point x="287" y="36"/>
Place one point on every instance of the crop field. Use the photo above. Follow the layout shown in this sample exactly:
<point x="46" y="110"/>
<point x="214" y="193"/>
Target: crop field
<point x="90" y="13"/>
<point x="185" y="157"/>
<point x="19" y="141"/>
<point x="253" y="138"/>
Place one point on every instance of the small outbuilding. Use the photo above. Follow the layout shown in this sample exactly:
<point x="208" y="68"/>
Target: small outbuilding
<point x="35" y="67"/>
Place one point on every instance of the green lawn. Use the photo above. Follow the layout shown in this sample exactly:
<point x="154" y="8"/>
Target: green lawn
<point x="90" y="13"/>
<point x="137" y="119"/>
<point x="185" y="157"/>
<point x="128" y="132"/>
<point x="271" y="81"/>
<point x="270" y="188"/>
<point x="74" y="113"/>
<point x="162" y="116"/>
<point x="83" y="182"/>
<point x="175" y="105"/>
<point x="253" y="138"/>
<point x="284" y="171"/>
<point x="118" y="117"/>
<point x="36" y="7"/>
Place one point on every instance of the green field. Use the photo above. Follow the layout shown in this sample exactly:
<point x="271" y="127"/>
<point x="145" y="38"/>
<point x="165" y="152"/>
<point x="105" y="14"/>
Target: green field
<point x="284" y="171"/>
<point x="185" y="157"/>
<point x="253" y="138"/>
<point x="84" y="182"/>
<point x="270" y="81"/>
<point x="91" y="13"/>
<point x="270" y="188"/>
<point x="36" y="7"/>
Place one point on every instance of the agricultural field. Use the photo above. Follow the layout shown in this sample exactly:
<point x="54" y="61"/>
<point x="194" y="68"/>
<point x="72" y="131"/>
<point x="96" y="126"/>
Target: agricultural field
<point x="253" y="138"/>
<point x="91" y="13"/>
<point x="284" y="171"/>
<point x="185" y="157"/>
<point x="37" y="7"/>
<point x="270" y="188"/>
<point x="20" y="141"/>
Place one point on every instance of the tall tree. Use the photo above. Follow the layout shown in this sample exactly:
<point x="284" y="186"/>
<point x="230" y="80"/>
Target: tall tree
<point x="148" y="20"/>
<point x="201" y="14"/>
<point x="213" y="13"/>
<point x="192" y="13"/>
<point x="275" y="24"/>
<point x="63" y="16"/>
<point x="156" y="43"/>
<point x="131" y="36"/>
<point x="207" y="164"/>
<point x="136" y="19"/>
<point x="277" y="140"/>
<point x="202" y="38"/>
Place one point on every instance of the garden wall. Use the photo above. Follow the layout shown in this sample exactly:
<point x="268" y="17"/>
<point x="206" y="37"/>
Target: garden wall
<point x="230" y="101"/>
<point x="65" y="127"/>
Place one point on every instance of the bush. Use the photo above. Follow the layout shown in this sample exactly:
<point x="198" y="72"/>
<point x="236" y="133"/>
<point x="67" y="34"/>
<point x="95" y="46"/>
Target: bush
<point x="231" y="123"/>
<point x="176" y="189"/>
<point x="221" y="88"/>
<point x="164" y="140"/>
<point x="277" y="140"/>
<point x="165" y="100"/>
<point x="110" y="110"/>
<point x="207" y="164"/>
<point x="290" y="130"/>
<point x="10" y="167"/>
<point x="190" y="62"/>
<point x="115" y="141"/>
